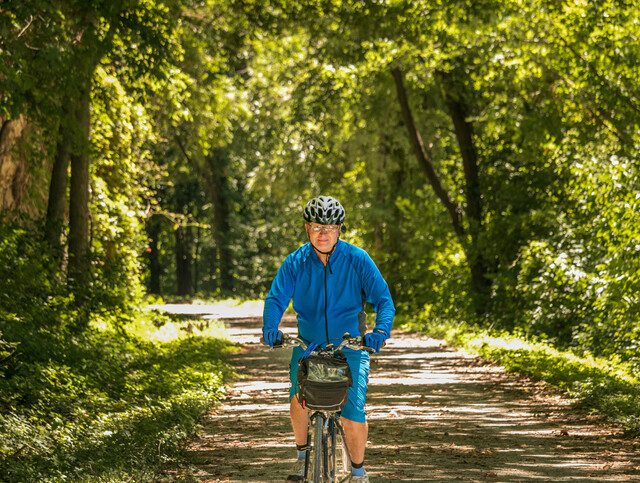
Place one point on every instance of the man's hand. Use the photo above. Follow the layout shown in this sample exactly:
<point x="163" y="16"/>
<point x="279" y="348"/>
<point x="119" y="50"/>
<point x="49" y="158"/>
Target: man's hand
<point x="374" y="340"/>
<point x="272" y="336"/>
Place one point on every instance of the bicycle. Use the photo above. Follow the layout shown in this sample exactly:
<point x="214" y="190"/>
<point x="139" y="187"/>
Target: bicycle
<point x="327" y="459"/>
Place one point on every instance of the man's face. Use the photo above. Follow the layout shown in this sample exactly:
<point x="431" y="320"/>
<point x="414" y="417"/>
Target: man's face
<point x="323" y="237"/>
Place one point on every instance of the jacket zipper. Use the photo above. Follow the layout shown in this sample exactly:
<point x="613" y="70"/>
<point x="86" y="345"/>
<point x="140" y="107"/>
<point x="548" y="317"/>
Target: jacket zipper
<point x="326" y="318"/>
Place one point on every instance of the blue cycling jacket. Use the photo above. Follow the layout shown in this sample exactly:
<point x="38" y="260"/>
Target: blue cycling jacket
<point x="328" y="299"/>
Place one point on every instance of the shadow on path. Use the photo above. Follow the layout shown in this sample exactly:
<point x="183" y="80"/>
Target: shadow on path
<point x="435" y="415"/>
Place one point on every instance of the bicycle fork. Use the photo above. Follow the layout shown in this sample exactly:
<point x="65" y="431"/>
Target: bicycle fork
<point x="325" y="465"/>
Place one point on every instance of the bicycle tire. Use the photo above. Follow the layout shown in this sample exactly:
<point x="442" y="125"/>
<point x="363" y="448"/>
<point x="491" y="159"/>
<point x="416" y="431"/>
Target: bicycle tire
<point x="317" y="449"/>
<point x="325" y="451"/>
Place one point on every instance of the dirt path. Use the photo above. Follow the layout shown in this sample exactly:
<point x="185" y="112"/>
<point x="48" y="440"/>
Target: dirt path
<point x="435" y="414"/>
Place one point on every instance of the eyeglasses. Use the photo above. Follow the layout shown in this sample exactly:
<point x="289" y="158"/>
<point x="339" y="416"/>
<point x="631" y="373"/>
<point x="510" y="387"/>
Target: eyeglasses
<point x="324" y="229"/>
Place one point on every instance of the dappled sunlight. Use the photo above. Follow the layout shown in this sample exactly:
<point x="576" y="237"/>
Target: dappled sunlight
<point x="417" y="379"/>
<point x="167" y="333"/>
<point x="503" y="342"/>
<point x="256" y="407"/>
<point x="436" y="415"/>
<point x="217" y="310"/>
<point x="418" y="356"/>
<point x="245" y="388"/>
<point x="171" y="331"/>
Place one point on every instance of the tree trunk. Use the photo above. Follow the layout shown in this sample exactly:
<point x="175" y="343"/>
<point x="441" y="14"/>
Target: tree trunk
<point x="79" y="267"/>
<point x="196" y="260"/>
<point x="397" y="177"/>
<point x="424" y="158"/>
<point x="219" y="192"/>
<point x="393" y="241"/>
<point x="183" y="261"/>
<point x="57" y="194"/>
<point x="380" y="190"/>
<point x="464" y="135"/>
<point x="153" y="232"/>
<point x="10" y="132"/>
<point x="215" y="175"/>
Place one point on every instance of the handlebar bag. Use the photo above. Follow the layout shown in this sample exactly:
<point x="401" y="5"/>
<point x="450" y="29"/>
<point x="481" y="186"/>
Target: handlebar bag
<point x="324" y="382"/>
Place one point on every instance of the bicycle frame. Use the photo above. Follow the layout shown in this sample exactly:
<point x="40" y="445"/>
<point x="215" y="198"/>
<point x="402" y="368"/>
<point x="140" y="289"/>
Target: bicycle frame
<point x="328" y="436"/>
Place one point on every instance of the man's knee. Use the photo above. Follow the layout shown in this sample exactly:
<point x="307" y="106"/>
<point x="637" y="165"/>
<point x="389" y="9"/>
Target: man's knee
<point x="350" y="425"/>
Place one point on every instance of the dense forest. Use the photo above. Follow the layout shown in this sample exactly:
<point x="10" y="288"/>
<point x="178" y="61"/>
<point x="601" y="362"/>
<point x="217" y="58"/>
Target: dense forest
<point x="486" y="154"/>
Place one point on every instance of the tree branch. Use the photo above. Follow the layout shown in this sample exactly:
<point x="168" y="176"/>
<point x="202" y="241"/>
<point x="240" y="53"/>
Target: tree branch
<point x="424" y="158"/>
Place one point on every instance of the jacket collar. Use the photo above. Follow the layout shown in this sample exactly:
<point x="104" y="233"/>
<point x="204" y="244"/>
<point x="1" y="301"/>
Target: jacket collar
<point x="335" y="255"/>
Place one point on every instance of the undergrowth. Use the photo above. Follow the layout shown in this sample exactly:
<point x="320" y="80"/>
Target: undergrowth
<point x="106" y="405"/>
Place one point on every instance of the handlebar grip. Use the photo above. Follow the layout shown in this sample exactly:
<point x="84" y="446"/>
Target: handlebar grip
<point x="277" y="344"/>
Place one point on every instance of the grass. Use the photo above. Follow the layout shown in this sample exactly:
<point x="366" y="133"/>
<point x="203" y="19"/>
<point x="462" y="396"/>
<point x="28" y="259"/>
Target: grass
<point x="609" y="388"/>
<point x="108" y="405"/>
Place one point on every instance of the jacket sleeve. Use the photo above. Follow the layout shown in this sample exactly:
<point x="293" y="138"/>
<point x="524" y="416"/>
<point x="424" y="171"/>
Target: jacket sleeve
<point x="278" y="297"/>
<point x="377" y="294"/>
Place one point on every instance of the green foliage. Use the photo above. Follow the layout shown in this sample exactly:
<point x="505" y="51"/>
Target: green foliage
<point x="31" y="293"/>
<point x="104" y="405"/>
<point x="122" y="174"/>
<point x="96" y="404"/>
<point x="213" y="122"/>
<point x="580" y="287"/>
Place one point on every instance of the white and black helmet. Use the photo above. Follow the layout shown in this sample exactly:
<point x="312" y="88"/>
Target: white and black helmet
<point x="325" y="210"/>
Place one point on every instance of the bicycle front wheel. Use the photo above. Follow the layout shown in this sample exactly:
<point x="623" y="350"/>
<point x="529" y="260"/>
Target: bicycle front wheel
<point x="317" y="449"/>
<point x="340" y="460"/>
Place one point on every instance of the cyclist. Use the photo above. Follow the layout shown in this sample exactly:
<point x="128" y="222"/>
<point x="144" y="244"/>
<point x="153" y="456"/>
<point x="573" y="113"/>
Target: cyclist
<point x="329" y="279"/>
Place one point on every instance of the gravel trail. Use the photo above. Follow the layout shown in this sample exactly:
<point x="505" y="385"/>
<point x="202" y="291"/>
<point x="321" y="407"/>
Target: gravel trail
<point x="435" y="414"/>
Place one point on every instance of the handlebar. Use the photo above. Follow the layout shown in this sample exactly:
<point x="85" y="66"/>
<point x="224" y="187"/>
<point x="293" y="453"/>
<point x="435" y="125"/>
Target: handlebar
<point x="287" y="341"/>
<point x="355" y="343"/>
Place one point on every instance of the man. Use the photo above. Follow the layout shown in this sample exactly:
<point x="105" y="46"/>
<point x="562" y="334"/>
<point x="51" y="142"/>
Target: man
<point x="328" y="280"/>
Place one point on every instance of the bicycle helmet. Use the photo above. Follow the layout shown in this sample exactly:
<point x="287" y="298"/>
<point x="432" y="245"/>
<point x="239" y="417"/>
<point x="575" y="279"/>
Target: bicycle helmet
<point x="325" y="210"/>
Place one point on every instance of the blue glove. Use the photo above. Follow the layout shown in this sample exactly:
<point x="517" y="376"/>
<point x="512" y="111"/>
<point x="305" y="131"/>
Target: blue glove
<point x="272" y="336"/>
<point x="374" y="340"/>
